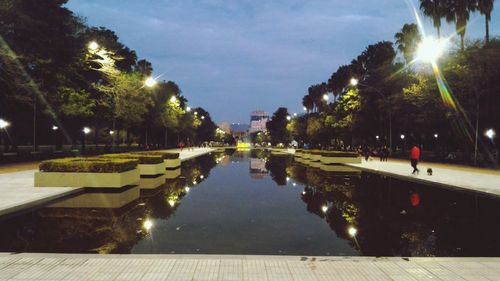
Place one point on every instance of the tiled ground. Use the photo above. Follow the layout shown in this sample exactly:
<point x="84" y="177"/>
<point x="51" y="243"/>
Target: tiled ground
<point x="261" y="268"/>
<point x="453" y="176"/>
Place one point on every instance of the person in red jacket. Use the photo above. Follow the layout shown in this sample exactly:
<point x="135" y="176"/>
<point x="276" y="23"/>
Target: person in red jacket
<point x="414" y="157"/>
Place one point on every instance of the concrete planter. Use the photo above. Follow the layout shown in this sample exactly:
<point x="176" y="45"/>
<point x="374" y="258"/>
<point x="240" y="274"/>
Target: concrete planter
<point x="172" y="163"/>
<point x="340" y="160"/>
<point x="152" y="169"/>
<point x="172" y="174"/>
<point x="306" y="155"/>
<point x="315" y="157"/>
<point x="93" y="180"/>
<point x="108" y="200"/>
<point x="314" y="164"/>
<point x="152" y="182"/>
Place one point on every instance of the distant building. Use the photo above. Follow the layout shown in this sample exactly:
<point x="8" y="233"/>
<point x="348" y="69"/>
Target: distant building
<point x="226" y="127"/>
<point x="258" y="168"/>
<point x="258" y="121"/>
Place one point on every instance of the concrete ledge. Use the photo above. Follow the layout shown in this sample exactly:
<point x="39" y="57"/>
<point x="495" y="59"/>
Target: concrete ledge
<point x="152" y="169"/>
<point x="340" y="160"/>
<point x="100" y="200"/>
<point x="172" y="163"/>
<point x="95" y="180"/>
<point x="172" y="174"/>
<point x="153" y="182"/>
<point x="338" y="168"/>
<point x="233" y="267"/>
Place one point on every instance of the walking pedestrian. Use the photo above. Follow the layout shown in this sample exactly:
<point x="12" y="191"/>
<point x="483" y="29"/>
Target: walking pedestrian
<point x="385" y="152"/>
<point x="414" y="157"/>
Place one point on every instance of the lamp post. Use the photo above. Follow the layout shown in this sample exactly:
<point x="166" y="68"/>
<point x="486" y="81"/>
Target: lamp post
<point x="3" y="127"/>
<point x="149" y="83"/>
<point x="355" y="82"/>
<point x="404" y="142"/>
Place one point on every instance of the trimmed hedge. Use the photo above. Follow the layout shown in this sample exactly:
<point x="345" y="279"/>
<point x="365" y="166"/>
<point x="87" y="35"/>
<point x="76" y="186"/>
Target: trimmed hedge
<point x="88" y="165"/>
<point x="339" y="154"/>
<point x="143" y="158"/>
<point x="165" y="155"/>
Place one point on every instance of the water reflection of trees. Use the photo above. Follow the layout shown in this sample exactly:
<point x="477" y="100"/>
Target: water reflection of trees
<point x="277" y="165"/>
<point x="396" y="218"/>
<point x="102" y="230"/>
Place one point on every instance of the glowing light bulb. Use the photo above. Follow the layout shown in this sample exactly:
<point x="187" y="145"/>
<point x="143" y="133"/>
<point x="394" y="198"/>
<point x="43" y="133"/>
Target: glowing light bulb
<point x="324" y="208"/>
<point x="148" y="224"/>
<point x="352" y="231"/>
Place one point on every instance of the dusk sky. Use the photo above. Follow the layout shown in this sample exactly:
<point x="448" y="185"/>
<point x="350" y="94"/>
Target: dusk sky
<point x="232" y="57"/>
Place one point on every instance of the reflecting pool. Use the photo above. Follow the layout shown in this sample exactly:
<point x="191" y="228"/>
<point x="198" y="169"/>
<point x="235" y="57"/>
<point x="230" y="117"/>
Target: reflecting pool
<point x="254" y="202"/>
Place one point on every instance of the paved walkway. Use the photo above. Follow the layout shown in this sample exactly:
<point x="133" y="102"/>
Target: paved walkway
<point x="259" y="268"/>
<point x="18" y="192"/>
<point x="450" y="176"/>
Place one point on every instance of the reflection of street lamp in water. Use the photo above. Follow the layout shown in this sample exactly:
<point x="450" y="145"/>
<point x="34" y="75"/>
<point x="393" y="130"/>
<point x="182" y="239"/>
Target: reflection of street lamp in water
<point x="490" y="133"/>
<point x="404" y="142"/>
<point x="352" y="232"/>
<point x="3" y="126"/>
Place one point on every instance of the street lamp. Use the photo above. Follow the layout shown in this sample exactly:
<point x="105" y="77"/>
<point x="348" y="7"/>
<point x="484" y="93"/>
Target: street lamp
<point x="295" y="115"/>
<point x="352" y="231"/>
<point x="111" y="132"/>
<point x="324" y="208"/>
<point x="436" y="136"/>
<point x="150" y="82"/>
<point x="188" y="109"/>
<point x="86" y="130"/>
<point x="305" y="108"/>
<point x="326" y="97"/>
<point x="354" y="82"/>
<point x="490" y="133"/>
<point x="377" y="137"/>
<point x="289" y="118"/>
<point x="93" y="46"/>
<point x="402" y="137"/>
<point x="202" y="117"/>
<point x="431" y="49"/>
<point x="4" y="124"/>
<point x="55" y="128"/>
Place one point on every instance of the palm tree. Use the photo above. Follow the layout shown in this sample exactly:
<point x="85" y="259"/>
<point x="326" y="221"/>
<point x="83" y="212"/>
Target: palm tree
<point x="458" y="11"/>
<point x="485" y="8"/>
<point x="433" y="9"/>
<point x="407" y="40"/>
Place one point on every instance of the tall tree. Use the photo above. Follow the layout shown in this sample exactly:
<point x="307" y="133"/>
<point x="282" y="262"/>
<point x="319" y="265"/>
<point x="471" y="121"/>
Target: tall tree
<point x="458" y="12"/>
<point x="435" y="10"/>
<point x="407" y="41"/>
<point x="485" y="7"/>
<point x="278" y="127"/>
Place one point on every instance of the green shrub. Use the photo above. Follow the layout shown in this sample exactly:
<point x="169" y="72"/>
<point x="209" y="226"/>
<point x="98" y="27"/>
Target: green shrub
<point x="165" y="155"/>
<point x="88" y="165"/>
<point x="143" y="158"/>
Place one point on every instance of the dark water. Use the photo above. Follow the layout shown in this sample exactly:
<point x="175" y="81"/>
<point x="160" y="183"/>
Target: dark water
<point x="257" y="203"/>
